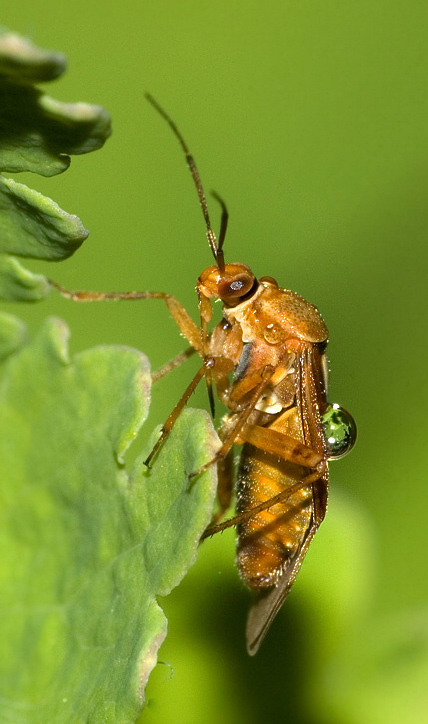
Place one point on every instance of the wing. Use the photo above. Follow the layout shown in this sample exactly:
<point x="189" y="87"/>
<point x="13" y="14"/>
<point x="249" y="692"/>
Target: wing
<point x="310" y="403"/>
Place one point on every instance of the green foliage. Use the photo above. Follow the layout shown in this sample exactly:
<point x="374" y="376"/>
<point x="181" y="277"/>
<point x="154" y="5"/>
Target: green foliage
<point x="85" y="547"/>
<point x="310" y="120"/>
<point x="38" y="134"/>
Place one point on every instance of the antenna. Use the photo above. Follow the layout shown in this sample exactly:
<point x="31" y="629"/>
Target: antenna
<point x="215" y="247"/>
<point x="223" y="229"/>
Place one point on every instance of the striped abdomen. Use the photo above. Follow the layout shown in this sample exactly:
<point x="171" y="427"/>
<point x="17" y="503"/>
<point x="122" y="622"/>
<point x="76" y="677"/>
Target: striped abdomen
<point x="269" y="540"/>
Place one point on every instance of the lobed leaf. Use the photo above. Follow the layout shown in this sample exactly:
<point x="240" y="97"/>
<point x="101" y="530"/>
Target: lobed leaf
<point x="38" y="134"/>
<point x="13" y="334"/>
<point x="22" y="60"/>
<point x="85" y="547"/>
<point x="18" y="284"/>
<point x="34" y="226"/>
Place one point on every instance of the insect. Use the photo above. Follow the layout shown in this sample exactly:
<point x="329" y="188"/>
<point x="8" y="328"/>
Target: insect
<point x="266" y="359"/>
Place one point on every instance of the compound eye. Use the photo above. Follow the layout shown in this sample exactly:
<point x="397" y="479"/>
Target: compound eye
<point x="236" y="288"/>
<point x="340" y="431"/>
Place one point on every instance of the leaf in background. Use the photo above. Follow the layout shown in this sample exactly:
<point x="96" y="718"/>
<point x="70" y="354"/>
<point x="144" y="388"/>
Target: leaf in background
<point x="22" y="60"/>
<point x="85" y="549"/>
<point x="35" y="226"/>
<point x="12" y="334"/>
<point x="19" y="284"/>
<point x="38" y="134"/>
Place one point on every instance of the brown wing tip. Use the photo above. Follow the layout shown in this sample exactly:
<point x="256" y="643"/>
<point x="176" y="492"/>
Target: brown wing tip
<point x="260" y="616"/>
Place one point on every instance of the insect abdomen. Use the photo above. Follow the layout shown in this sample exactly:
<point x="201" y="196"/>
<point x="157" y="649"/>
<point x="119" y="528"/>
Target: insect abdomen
<point x="269" y="541"/>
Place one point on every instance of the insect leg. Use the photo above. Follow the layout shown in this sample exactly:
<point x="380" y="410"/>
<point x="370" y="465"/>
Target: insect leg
<point x="223" y="365"/>
<point x="168" y="425"/>
<point x="187" y="326"/>
<point x="241" y="419"/>
<point x="265" y="505"/>
<point x="224" y="486"/>
<point x="278" y="443"/>
<point x="172" y="364"/>
<point x="288" y="448"/>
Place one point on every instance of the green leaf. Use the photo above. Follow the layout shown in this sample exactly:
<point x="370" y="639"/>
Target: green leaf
<point x="12" y="334"/>
<point x="34" y="226"/>
<point x="86" y="548"/>
<point x="18" y="284"/>
<point x="20" y="59"/>
<point x="38" y="134"/>
<point x="74" y="128"/>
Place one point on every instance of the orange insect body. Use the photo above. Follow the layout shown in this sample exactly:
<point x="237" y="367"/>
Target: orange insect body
<point x="266" y="358"/>
<point x="270" y="539"/>
<point x="277" y="330"/>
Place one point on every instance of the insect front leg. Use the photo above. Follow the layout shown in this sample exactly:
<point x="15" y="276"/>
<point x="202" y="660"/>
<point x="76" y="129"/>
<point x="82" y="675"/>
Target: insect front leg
<point x="187" y="327"/>
<point x="185" y="323"/>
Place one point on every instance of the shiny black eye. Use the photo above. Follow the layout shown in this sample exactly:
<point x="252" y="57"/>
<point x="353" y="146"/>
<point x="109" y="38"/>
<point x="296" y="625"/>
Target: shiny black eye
<point x="340" y="431"/>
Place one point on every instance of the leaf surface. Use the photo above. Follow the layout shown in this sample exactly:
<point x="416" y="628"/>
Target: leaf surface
<point x="85" y="547"/>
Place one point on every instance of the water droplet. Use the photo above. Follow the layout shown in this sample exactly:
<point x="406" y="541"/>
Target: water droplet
<point x="340" y="431"/>
<point x="273" y="333"/>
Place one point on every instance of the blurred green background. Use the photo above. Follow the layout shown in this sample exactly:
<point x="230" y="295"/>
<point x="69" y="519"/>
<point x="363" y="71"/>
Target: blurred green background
<point x="311" y="120"/>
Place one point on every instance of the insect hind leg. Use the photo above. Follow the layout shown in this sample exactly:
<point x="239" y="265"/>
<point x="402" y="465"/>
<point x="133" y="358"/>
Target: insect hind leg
<point x="266" y="504"/>
<point x="224" y="486"/>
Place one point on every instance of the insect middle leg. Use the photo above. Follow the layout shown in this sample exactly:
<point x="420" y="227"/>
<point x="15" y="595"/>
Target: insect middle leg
<point x="168" y="425"/>
<point x="172" y="364"/>
<point x="278" y="443"/>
